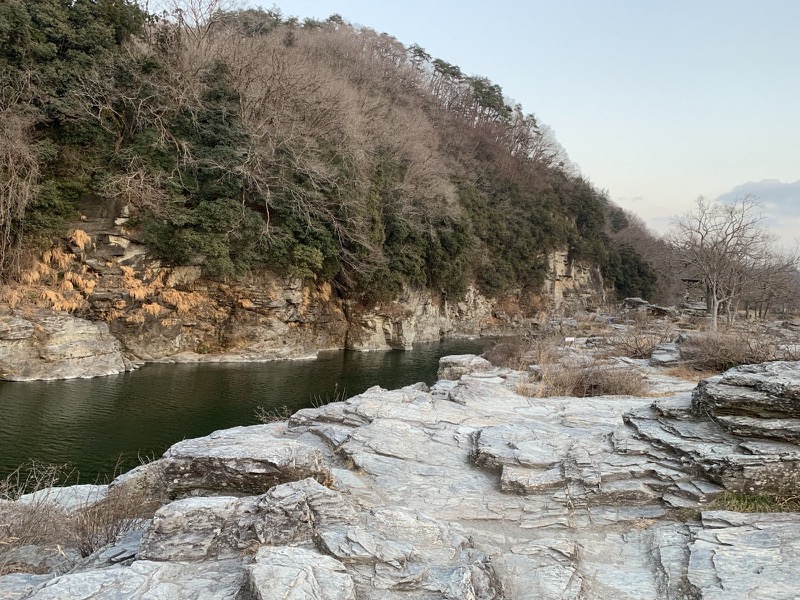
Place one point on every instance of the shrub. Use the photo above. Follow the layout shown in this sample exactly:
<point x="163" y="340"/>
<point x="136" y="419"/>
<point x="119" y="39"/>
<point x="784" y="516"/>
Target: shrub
<point x="95" y="525"/>
<point x="41" y="521"/>
<point x="641" y="338"/>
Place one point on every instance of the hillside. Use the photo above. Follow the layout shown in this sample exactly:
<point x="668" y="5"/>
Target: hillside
<point x="246" y="141"/>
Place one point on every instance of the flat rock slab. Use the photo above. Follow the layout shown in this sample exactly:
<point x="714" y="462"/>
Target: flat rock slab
<point x="746" y="556"/>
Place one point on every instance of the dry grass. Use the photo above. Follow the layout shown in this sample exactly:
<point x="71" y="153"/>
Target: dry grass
<point x="718" y="351"/>
<point x="42" y="522"/>
<point x="273" y="415"/>
<point x="80" y="238"/>
<point x="758" y="503"/>
<point x="582" y="380"/>
<point x="641" y="338"/>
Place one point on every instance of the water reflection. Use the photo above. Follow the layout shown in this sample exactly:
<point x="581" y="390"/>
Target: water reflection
<point x="90" y="423"/>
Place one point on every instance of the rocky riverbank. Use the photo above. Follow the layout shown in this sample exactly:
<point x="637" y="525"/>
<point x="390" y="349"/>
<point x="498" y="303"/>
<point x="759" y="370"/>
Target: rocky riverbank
<point x="103" y="304"/>
<point x="468" y="490"/>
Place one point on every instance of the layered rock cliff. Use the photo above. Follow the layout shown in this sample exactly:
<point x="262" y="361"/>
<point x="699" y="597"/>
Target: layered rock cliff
<point x="125" y="307"/>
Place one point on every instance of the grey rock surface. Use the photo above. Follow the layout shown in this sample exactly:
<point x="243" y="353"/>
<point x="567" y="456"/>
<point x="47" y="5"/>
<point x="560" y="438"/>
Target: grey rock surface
<point x="242" y="459"/>
<point x="466" y="490"/>
<point x="754" y="400"/>
<point x="45" y="345"/>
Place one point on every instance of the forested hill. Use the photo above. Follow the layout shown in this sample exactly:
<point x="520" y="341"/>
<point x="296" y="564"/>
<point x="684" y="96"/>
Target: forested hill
<point x="247" y="140"/>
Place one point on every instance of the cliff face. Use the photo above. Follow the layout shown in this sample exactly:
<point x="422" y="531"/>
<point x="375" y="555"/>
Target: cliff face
<point x="127" y="306"/>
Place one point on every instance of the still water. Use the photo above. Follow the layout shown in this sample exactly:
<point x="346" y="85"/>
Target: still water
<point x="93" y="424"/>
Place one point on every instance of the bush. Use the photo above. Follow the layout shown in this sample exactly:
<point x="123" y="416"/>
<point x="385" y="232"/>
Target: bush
<point x="641" y="338"/>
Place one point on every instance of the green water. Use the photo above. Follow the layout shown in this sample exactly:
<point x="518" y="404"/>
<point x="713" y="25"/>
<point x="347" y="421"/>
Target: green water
<point x="92" y="424"/>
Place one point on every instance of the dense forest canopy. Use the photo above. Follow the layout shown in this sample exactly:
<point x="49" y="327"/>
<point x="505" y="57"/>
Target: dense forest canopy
<point x="246" y="139"/>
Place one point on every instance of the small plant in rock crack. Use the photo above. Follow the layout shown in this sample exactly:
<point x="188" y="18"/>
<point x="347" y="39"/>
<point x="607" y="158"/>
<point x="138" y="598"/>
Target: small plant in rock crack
<point x="337" y="396"/>
<point x="275" y="414"/>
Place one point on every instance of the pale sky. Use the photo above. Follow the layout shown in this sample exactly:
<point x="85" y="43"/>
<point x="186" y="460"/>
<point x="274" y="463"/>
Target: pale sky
<point x="657" y="102"/>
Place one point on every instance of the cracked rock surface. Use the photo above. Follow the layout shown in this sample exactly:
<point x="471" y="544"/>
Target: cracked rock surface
<point x="466" y="490"/>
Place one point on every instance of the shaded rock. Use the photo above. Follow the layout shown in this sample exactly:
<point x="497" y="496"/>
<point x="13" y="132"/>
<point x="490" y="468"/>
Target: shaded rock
<point x="225" y="526"/>
<point x="40" y="559"/>
<point x="242" y="459"/>
<point x="743" y="464"/>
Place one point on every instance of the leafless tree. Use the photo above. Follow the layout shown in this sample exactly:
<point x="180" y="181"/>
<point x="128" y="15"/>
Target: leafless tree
<point x="725" y="246"/>
<point x="19" y="173"/>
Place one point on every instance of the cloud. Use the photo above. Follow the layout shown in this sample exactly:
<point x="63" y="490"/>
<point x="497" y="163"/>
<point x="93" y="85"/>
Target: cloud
<point x="780" y="199"/>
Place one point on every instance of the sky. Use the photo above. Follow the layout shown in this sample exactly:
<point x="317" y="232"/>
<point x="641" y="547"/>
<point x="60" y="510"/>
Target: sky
<point x="657" y="102"/>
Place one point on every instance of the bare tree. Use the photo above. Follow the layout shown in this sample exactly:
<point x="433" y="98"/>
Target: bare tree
<point x="725" y="246"/>
<point x="19" y="172"/>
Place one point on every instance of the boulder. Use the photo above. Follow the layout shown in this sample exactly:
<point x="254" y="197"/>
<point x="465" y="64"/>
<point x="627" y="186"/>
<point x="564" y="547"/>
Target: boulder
<point x="454" y="367"/>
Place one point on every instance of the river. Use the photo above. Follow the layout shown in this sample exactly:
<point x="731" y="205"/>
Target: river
<point x="111" y="423"/>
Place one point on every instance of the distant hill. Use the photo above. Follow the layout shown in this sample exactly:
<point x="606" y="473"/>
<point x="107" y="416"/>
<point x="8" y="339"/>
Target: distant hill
<point x="246" y="140"/>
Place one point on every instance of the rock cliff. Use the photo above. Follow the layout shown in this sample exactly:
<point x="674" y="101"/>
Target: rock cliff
<point x="466" y="490"/>
<point x="124" y="306"/>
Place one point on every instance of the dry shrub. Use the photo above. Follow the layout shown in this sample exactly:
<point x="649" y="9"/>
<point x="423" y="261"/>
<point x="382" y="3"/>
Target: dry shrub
<point x="183" y="302"/>
<point x="641" y="338"/>
<point x="123" y="509"/>
<point x="153" y="309"/>
<point x="56" y="257"/>
<point x="60" y="302"/>
<point x="718" y="351"/>
<point x="39" y="522"/>
<point x="507" y="352"/>
<point x="518" y="352"/>
<point x="80" y="238"/>
<point x="30" y="276"/>
<point x="589" y="379"/>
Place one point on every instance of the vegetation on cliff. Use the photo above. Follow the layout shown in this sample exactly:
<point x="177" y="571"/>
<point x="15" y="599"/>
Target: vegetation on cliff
<point x="246" y="140"/>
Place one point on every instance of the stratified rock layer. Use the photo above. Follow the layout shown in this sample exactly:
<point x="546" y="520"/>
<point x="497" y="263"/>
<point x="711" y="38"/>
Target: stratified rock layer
<point x="46" y="345"/>
<point x="466" y="490"/>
